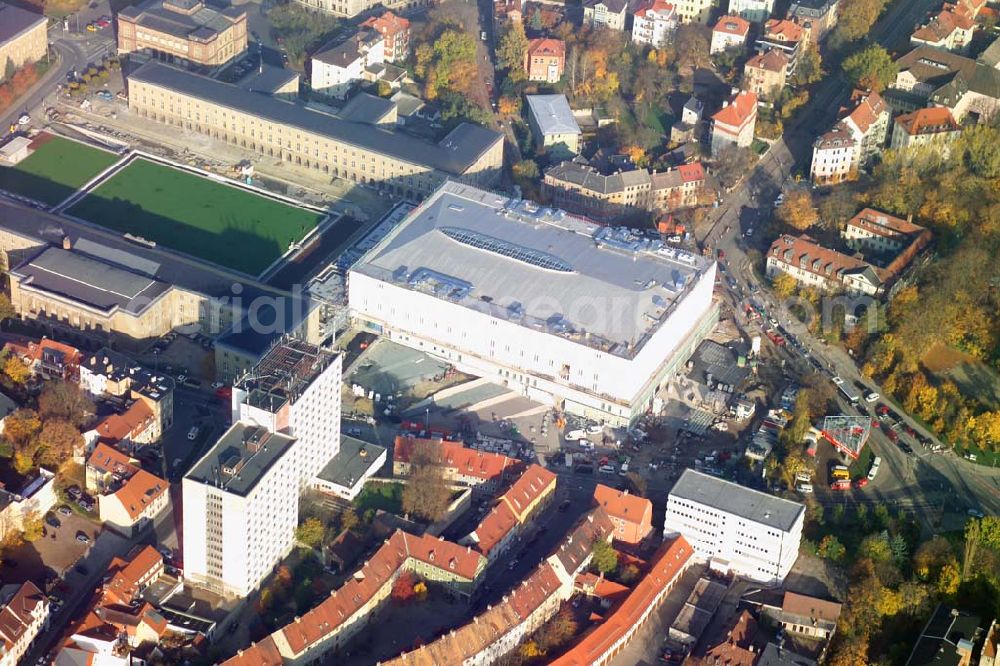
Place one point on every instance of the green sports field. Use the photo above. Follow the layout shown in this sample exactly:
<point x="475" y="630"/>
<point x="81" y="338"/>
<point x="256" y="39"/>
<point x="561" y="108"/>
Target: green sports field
<point x="57" y="168"/>
<point x="201" y="217"/>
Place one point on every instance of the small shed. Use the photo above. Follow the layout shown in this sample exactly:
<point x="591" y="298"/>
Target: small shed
<point x="15" y="150"/>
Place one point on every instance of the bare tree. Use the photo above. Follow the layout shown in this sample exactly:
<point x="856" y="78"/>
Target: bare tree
<point x="426" y="494"/>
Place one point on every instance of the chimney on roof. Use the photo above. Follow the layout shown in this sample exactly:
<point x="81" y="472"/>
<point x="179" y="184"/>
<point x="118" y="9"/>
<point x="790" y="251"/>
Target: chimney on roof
<point x="67" y="244"/>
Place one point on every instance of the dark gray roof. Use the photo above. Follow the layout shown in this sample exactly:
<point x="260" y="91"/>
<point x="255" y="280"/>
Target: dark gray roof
<point x="773" y="655"/>
<point x="14" y="21"/>
<point x="95" y="283"/>
<point x="366" y="108"/>
<point x="352" y="462"/>
<point x="946" y="629"/>
<point x="591" y="179"/>
<point x="613" y="6"/>
<point x="810" y="8"/>
<point x="737" y="500"/>
<point x="454" y="154"/>
<point x="268" y="79"/>
<point x="232" y="447"/>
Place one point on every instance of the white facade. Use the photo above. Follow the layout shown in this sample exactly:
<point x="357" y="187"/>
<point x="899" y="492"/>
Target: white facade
<point x="736" y="526"/>
<point x="336" y="71"/>
<point x="598" y="385"/>
<point x="756" y="11"/>
<point x="730" y="32"/>
<point x="654" y="24"/>
<point x="232" y="541"/>
<point x="25" y="612"/>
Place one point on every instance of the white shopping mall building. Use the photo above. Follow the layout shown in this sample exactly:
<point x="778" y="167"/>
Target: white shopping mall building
<point x="589" y="318"/>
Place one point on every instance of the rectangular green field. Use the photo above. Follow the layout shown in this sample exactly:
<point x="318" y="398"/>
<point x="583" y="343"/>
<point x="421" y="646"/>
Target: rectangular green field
<point x="57" y="168"/>
<point x="196" y="215"/>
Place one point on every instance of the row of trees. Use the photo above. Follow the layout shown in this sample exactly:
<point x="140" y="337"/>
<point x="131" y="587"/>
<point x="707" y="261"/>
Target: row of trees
<point x="16" y="83"/>
<point x="299" y="30"/>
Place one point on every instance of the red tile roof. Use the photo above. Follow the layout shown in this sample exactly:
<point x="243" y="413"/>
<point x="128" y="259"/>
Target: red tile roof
<point x="529" y="487"/>
<point x="262" y="653"/>
<point x="387" y="23"/>
<point x="820" y="609"/>
<point x="883" y="224"/>
<point x="15" y="614"/>
<point x="870" y="106"/>
<point x="658" y="6"/>
<point x="933" y="120"/>
<point x="497" y="524"/>
<point x="553" y="48"/>
<point x="732" y="25"/>
<point x="143" y="564"/>
<point x="691" y="172"/>
<point x="622" y="505"/>
<point x="670" y="560"/>
<point x="109" y="460"/>
<point x="783" y="30"/>
<point x="465" y="462"/>
<point x="734" y="645"/>
<point x="738" y="111"/>
<point x="772" y="61"/>
<point x="140" y="491"/>
<point x="131" y="423"/>
<point x="793" y="250"/>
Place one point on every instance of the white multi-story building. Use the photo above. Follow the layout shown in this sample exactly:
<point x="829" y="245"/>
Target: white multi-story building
<point x="337" y="69"/>
<point x="753" y="534"/>
<point x="694" y="11"/>
<point x="594" y="319"/>
<point x="834" y="156"/>
<point x="295" y="389"/>
<point x="240" y="509"/>
<point x="654" y="23"/>
<point x="729" y="32"/>
<point x="734" y="123"/>
<point x="241" y="499"/>
<point x="756" y="11"/>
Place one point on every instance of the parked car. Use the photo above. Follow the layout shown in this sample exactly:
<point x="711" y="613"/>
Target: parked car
<point x="52" y="521"/>
<point x="65" y="510"/>
<point x="860" y="482"/>
<point x="872" y="397"/>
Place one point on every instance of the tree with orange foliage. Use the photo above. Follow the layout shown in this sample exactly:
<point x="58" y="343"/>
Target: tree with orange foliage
<point x="798" y="211"/>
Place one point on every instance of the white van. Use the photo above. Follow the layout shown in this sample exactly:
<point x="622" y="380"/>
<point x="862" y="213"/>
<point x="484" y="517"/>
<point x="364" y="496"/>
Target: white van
<point x="606" y="469"/>
<point x="804" y="488"/>
<point x="876" y="462"/>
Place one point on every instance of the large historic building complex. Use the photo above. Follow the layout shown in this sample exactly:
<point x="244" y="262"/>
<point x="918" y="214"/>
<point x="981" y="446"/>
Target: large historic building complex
<point x="396" y="162"/>
<point x="187" y="32"/>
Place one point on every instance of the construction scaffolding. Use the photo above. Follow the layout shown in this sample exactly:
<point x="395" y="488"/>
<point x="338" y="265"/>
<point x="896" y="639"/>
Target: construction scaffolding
<point x="848" y="434"/>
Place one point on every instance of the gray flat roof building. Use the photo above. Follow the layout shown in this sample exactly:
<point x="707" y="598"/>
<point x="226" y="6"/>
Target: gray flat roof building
<point x="100" y="285"/>
<point x="454" y="154"/>
<point x="532" y="265"/>
<point x="240" y="458"/>
<point x="552" y="114"/>
<point x="353" y="462"/>
<point x="732" y="498"/>
<point x="187" y="19"/>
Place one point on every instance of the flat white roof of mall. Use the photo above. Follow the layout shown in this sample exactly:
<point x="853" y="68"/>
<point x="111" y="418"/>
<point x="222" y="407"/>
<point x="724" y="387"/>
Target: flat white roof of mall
<point x="607" y="288"/>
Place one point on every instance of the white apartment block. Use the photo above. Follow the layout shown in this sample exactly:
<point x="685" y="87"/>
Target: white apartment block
<point x="752" y="534"/>
<point x="337" y="69"/>
<point x="241" y="507"/>
<point x="835" y="156"/>
<point x="654" y="23"/>
<point x="729" y="32"/>
<point x="563" y="311"/>
<point x="295" y="390"/>
<point x="755" y="11"/>
<point x="241" y="499"/>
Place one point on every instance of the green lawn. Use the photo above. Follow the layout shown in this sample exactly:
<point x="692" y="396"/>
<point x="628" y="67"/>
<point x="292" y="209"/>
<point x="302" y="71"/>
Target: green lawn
<point x="55" y="170"/>
<point x="201" y="217"/>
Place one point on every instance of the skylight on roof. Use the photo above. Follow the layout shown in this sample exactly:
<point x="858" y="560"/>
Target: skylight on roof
<point x="504" y="248"/>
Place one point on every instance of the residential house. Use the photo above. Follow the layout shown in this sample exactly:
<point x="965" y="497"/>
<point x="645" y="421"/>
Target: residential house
<point x="395" y="32"/>
<point x="137" y="425"/>
<point x="950" y="634"/>
<point x="765" y="74"/>
<point x="834" y="156"/>
<point x="106" y="468"/>
<point x="134" y="503"/>
<point x="819" y="16"/>
<point x="49" y="359"/>
<point x="948" y="30"/>
<point x="654" y="23"/>
<point x="736" y="642"/>
<point x="581" y="189"/>
<point x="692" y="111"/>
<point x="755" y="11"/>
<point x="117" y="379"/>
<point x="336" y="69"/>
<point x="506" y="11"/>
<point x="545" y="60"/>
<point x="694" y="11"/>
<point x="933" y="126"/>
<point x="813" y="265"/>
<point x="808" y="616"/>
<point x="932" y="77"/>
<point x="729" y="32"/>
<point x="786" y="36"/>
<point x="631" y="515"/>
<point x="733" y="125"/>
<point x="35" y="496"/>
<point x="872" y="231"/>
<point x="486" y="473"/>
<point x="24" y="612"/>
<point x="553" y="125"/>
<point x="868" y="122"/>
<point x="605" y="13"/>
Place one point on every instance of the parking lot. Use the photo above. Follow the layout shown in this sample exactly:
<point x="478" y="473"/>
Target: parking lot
<point x="56" y="552"/>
